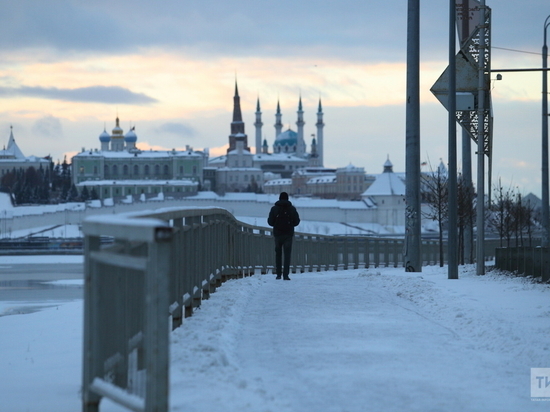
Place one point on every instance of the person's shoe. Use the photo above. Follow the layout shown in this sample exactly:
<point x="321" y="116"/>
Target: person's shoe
<point x="278" y="277"/>
<point x="286" y="278"/>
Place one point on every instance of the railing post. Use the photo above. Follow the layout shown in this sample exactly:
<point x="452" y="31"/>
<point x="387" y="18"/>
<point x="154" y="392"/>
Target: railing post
<point x="387" y="253"/>
<point x="156" y="326"/>
<point x="90" y="400"/>
<point x="545" y="273"/>
<point x="377" y="253"/>
<point x="177" y="277"/>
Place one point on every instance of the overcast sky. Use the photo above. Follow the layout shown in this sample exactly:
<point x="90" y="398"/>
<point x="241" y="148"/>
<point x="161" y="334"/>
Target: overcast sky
<point x="69" y="67"/>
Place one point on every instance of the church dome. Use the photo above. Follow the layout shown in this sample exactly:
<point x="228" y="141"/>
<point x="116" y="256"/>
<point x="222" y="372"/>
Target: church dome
<point x="131" y="136"/>
<point x="287" y="138"/>
<point x="104" y="137"/>
<point x="117" y="131"/>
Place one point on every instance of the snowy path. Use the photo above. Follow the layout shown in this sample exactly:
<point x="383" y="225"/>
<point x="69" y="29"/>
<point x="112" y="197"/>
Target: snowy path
<point x="361" y="341"/>
<point x="376" y="340"/>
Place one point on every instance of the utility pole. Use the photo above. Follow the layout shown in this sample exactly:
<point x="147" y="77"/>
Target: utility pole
<point x="469" y="68"/>
<point x="464" y="33"/>
<point x="452" y="237"/>
<point x="480" y="207"/>
<point x="413" y="241"/>
<point x="545" y="195"/>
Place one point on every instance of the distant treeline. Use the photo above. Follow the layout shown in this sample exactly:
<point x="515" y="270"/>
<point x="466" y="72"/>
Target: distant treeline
<point x="45" y="185"/>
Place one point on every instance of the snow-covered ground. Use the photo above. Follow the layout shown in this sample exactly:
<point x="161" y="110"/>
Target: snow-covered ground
<point x="360" y="340"/>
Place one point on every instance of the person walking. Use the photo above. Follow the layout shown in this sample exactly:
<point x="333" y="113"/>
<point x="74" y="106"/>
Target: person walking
<point x="284" y="217"/>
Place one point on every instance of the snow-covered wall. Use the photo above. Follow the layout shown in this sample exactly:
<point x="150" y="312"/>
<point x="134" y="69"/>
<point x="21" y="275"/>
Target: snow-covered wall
<point x="239" y="204"/>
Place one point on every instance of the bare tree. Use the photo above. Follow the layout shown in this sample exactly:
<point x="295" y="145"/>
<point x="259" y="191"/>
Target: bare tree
<point x="435" y="193"/>
<point x="466" y="216"/>
<point x="500" y="218"/>
<point x="524" y="219"/>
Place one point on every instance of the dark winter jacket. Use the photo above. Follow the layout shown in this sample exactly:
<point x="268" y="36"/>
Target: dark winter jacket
<point x="275" y="210"/>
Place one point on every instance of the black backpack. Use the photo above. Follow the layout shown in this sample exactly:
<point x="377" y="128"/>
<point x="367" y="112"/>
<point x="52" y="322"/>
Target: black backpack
<point x="283" y="220"/>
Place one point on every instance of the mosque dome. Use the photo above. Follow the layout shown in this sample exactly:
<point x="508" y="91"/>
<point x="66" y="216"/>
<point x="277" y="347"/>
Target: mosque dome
<point x="131" y="136"/>
<point x="287" y="138"/>
<point x="104" y="137"/>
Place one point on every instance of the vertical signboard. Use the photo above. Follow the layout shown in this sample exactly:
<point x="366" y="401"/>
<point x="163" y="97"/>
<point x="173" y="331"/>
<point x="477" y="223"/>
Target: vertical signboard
<point x="468" y="17"/>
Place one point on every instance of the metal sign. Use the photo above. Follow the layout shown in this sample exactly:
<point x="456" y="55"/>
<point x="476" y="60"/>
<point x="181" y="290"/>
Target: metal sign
<point x="467" y="67"/>
<point x="466" y="83"/>
<point x="468" y="17"/>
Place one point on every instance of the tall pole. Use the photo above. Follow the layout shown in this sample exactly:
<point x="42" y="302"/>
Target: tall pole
<point x="545" y="196"/>
<point x="452" y="238"/>
<point x="467" y="150"/>
<point x="468" y="188"/>
<point x="413" y="241"/>
<point x="480" y="207"/>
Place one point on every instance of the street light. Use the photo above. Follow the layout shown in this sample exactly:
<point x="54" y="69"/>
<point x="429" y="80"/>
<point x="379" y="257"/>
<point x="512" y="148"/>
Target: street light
<point x="545" y="195"/>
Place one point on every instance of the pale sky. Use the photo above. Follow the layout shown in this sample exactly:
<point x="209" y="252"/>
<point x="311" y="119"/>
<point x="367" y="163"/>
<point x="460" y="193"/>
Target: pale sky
<point x="69" y="67"/>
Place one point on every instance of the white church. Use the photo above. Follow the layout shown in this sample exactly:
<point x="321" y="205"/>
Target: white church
<point x="11" y="157"/>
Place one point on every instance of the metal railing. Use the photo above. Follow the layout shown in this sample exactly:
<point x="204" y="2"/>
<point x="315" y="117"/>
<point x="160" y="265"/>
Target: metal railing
<point x="161" y="266"/>
<point x="525" y="261"/>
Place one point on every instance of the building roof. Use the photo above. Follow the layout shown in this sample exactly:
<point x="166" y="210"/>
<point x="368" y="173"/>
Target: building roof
<point x="321" y="180"/>
<point x="12" y="151"/>
<point x="351" y="169"/>
<point x="386" y="183"/>
<point x="104" y="137"/>
<point x="12" y="155"/>
<point x="138" y="182"/>
<point x="153" y="154"/>
<point x="278" y="157"/>
<point x="131" y="136"/>
<point x="237" y="152"/>
<point x="278" y="182"/>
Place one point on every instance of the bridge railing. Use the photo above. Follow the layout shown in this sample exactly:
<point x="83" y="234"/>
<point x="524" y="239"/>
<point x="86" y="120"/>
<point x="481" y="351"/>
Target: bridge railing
<point x="525" y="261"/>
<point x="161" y="266"/>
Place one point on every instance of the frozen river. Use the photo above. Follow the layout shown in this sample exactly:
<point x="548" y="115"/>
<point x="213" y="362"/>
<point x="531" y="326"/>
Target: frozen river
<point x="27" y="286"/>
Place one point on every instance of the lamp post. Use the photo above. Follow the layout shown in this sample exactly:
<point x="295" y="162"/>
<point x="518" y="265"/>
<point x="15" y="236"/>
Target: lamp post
<point x="545" y="196"/>
<point x="452" y="245"/>
<point x="413" y="240"/>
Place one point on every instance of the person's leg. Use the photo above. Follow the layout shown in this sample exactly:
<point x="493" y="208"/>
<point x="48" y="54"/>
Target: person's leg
<point x="278" y="256"/>
<point x="287" y="249"/>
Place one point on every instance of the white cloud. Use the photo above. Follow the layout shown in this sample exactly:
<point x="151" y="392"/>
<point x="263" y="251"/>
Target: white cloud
<point x="49" y="127"/>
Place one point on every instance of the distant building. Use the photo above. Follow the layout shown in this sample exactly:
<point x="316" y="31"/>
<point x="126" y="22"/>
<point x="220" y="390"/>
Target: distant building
<point x="11" y="157"/>
<point x="139" y="189"/>
<point x="387" y="192"/>
<point x="532" y="201"/>
<point x="121" y="169"/>
<point x="345" y="183"/>
<point x="287" y="167"/>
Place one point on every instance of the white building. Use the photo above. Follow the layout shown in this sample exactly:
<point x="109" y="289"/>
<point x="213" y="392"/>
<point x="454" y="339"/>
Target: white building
<point x="11" y="157"/>
<point x="387" y="192"/>
<point x="120" y="162"/>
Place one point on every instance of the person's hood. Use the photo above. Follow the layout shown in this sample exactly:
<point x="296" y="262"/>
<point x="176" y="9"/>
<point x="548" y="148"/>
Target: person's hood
<point x="283" y="203"/>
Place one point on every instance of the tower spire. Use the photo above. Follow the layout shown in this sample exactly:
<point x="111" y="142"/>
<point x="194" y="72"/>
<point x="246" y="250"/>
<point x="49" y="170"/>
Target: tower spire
<point x="258" y="125"/>
<point x="278" y="122"/>
<point x="237" y="115"/>
<point x="301" y="145"/>
<point x="320" y="125"/>
<point x="237" y="125"/>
